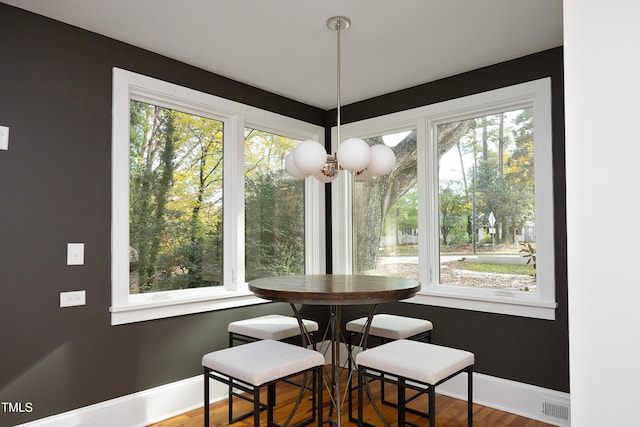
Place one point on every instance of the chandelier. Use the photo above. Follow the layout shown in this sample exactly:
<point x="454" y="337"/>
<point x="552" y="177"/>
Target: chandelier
<point x="309" y="158"/>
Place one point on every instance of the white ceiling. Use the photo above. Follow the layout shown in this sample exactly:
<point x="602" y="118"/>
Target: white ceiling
<point x="285" y="47"/>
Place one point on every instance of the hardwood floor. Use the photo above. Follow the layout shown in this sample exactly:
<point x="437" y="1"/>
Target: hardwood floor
<point x="449" y="412"/>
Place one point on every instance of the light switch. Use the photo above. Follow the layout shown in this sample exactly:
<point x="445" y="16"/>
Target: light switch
<point x="75" y="253"/>
<point x="4" y="137"/>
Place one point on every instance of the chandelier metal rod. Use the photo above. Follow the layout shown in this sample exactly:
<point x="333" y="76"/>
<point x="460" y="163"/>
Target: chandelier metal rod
<point x="338" y="30"/>
<point x="338" y="23"/>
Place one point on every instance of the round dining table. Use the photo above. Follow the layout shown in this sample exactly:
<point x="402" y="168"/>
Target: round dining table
<point x="334" y="291"/>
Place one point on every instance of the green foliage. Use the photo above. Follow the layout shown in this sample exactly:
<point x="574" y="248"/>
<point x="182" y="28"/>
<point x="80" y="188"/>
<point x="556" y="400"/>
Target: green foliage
<point x="274" y="208"/>
<point x="274" y="227"/>
<point x="500" y="179"/>
<point x="530" y="254"/>
<point x="176" y="201"/>
<point x="405" y="211"/>
<point x="175" y="198"/>
<point x="455" y="208"/>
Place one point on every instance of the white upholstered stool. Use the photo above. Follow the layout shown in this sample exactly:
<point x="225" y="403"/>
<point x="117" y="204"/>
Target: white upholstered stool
<point x="417" y="366"/>
<point x="393" y="327"/>
<point x="263" y="363"/>
<point x="386" y="327"/>
<point x="270" y="327"/>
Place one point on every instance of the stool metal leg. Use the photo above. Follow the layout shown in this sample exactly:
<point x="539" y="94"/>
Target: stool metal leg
<point x="360" y="414"/>
<point x="350" y="366"/>
<point x="314" y="396"/>
<point x="432" y="407"/>
<point x="271" y="402"/>
<point x="230" y="405"/>
<point x="383" y="399"/>
<point x="256" y="406"/>
<point x="320" y="391"/>
<point x="470" y="396"/>
<point x="401" y="401"/>
<point x="206" y="397"/>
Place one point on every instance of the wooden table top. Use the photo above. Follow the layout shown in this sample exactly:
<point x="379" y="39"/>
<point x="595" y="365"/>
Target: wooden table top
<point x="334" y="289"/>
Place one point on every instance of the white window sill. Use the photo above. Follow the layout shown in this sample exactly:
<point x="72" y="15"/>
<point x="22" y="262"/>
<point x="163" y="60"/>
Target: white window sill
<point x="161" y="305"/>
<point x="508" y="304"/>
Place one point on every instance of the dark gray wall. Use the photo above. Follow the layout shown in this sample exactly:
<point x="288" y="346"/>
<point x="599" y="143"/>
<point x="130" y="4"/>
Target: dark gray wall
<point x="55" y="188"/>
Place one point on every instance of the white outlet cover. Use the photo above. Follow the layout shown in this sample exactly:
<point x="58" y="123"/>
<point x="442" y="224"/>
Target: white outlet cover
<point x="75" y="253"/>
<point x="73" y="298"/>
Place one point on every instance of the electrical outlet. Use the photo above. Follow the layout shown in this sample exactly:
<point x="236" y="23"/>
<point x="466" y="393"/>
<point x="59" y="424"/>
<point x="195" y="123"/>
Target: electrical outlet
<point x="73" y="298"/>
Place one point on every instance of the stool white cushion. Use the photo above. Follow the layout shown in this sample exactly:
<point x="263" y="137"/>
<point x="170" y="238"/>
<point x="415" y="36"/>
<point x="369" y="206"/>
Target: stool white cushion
<point x="391" y="326"/>
<point x="259" y="362"/>
<point x="420" y="361"/>
<point x="274" y="327"/>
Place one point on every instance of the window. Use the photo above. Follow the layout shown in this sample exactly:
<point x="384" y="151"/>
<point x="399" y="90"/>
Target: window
<point x="385" y="212"/>
<point x="176" y="199"/>
<point x="191" y="173"/>
<point x="472" y="216"/>
<point x="486" y="199"/>
<point x="274" y="208"/>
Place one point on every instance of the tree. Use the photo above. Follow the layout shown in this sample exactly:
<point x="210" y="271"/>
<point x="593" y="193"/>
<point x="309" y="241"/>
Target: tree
<point x="204" y="138"/>
<point x="274" y="226"/>
<point x="373" y="199"/>
<point x="152" y="144"/>
<point x="175" y="205"/>
<point x="402" y="219"/>
<point x="274" y="208"/>
<point x="454" y="210"/>
<point x="519" y="173"/>
<point x="503" y="173"/>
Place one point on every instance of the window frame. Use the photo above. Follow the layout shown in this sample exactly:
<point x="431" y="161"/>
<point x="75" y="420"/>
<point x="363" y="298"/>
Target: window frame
<point x="128" y="308"/>
<point x="541" y="304"/>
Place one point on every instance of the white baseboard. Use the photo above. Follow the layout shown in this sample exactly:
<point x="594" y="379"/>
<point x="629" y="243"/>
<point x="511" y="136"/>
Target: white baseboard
<point x="159" y="403"/>
<point x="538" y="403"/>
<point x="138" y="409"/>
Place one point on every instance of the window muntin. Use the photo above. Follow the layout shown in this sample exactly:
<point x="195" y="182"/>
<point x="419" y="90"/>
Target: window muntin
<point x="274" y="208"/>
<point x="233" y="117"/>
<point x="385" y="213"/>
<point x="535" y="95"/>
<point x="486" y="200"/>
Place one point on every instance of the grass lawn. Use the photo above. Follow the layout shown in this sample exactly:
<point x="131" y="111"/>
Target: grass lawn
<point x="499" y="268"/>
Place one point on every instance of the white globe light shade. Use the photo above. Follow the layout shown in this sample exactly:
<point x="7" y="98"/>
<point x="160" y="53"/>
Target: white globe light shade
<point x="292" y="169"/>
<point x="383" y="160"/>
<point x="324" y="178"/>
<point x="353" y="154"/>
<point x="309" y="156"/>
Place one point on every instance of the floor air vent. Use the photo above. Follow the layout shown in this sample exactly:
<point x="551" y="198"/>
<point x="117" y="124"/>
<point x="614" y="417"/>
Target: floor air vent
<point x="556" y="411"/>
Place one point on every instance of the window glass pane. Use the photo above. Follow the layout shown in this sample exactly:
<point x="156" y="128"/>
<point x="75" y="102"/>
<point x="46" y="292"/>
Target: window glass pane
<point x="274" y="208"/>
<point x="487" y="201"/>
<point x="175" y="221"/>
<point x="385" y="214"/>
